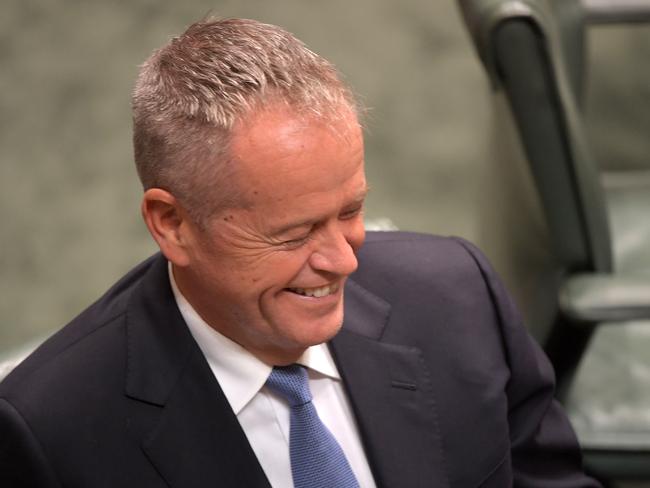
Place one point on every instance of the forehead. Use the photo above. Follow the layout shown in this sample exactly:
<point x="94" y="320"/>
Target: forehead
<point x="280" y="155"/>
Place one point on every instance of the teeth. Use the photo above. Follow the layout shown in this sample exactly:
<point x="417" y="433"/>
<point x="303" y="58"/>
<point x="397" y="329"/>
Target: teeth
<point x="316" y="292"/>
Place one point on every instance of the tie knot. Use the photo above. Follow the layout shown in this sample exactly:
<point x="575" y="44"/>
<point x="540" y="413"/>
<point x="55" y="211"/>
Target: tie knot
<point x="291" y="383"/>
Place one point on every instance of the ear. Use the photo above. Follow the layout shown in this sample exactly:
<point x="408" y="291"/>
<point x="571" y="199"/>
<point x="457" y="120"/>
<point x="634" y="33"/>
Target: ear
<point x="167" y="223"/>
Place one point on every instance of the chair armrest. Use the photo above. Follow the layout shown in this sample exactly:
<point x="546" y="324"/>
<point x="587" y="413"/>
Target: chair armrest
<point x="591" y="298"/>
<point x="616" y="11"/>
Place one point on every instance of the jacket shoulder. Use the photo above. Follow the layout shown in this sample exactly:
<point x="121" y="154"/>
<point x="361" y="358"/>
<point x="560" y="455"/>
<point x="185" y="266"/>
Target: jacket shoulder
<point x="407" y="259"/>
<point x="61" y="353"/>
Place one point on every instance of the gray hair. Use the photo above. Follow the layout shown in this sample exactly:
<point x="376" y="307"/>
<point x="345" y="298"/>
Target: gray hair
<point x="192" y="92"/>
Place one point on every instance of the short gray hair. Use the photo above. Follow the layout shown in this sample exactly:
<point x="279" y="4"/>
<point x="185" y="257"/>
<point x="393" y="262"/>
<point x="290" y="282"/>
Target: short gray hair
<point x="191" y="92"/>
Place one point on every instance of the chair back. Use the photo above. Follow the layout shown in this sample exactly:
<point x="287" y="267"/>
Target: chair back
<point x="533" y="52"/>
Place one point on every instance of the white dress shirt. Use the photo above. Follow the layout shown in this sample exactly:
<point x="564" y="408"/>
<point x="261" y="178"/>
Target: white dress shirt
<point x="263" y="416"/>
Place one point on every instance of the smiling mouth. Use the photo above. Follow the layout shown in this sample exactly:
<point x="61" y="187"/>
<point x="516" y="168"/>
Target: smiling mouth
<point x="319" y="292"/>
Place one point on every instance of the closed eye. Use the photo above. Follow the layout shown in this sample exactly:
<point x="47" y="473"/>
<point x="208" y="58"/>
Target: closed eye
<point x="297" y="242"/>
<point x="351" y="213"/>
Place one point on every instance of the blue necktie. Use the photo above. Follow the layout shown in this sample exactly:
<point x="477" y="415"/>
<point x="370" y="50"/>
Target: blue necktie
<point x="317" y="460"/>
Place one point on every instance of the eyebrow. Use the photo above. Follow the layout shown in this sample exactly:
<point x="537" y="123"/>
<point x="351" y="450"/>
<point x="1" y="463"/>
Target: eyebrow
<point x="361" y="196"/>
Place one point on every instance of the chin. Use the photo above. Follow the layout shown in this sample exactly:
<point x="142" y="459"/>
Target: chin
<point x="302" y="330"/>
<point x="323" y="333"/>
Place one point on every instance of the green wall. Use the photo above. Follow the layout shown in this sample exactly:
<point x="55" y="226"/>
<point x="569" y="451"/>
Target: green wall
<point x="442" y="155"/>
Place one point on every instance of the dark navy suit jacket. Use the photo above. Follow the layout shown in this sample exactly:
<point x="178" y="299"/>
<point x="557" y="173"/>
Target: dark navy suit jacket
<point x="448" y="389"/>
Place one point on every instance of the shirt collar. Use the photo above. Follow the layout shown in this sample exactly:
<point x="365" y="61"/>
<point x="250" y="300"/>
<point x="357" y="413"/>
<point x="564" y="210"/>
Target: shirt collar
<point x="240" y="374"/>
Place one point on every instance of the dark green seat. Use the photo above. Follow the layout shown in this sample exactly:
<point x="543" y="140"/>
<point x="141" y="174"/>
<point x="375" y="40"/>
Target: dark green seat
<point x="599" y="223"/>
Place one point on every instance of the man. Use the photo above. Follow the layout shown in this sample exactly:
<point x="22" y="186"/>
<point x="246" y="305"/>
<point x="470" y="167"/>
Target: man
<point x="251" y="156"/>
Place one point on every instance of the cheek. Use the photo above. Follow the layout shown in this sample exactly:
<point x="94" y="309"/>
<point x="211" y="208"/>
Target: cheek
<point x="289" y="264"/>
<point x="357" y="235"/>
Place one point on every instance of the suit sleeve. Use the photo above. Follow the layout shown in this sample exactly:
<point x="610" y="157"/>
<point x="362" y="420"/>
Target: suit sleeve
<point x="22" y="461"/>
<point x="544" y="449"/>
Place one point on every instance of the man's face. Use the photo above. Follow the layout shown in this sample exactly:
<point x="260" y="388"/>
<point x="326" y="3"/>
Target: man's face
<point x="270" y="276"/>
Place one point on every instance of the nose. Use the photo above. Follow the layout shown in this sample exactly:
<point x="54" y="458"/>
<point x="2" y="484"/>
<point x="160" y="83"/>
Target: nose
<point x="336" y="250"/>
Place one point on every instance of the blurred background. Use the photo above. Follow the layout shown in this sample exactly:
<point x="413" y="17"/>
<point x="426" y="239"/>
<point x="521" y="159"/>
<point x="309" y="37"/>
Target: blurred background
<point x="442" y="152"/>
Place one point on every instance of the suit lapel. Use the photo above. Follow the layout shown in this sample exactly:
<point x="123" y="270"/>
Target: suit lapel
<point x="197" y="440"/>
<point x="391" y="394"/>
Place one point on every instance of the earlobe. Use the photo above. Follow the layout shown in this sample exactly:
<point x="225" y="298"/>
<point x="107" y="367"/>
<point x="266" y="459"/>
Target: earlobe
<point x="164" y="218"/>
